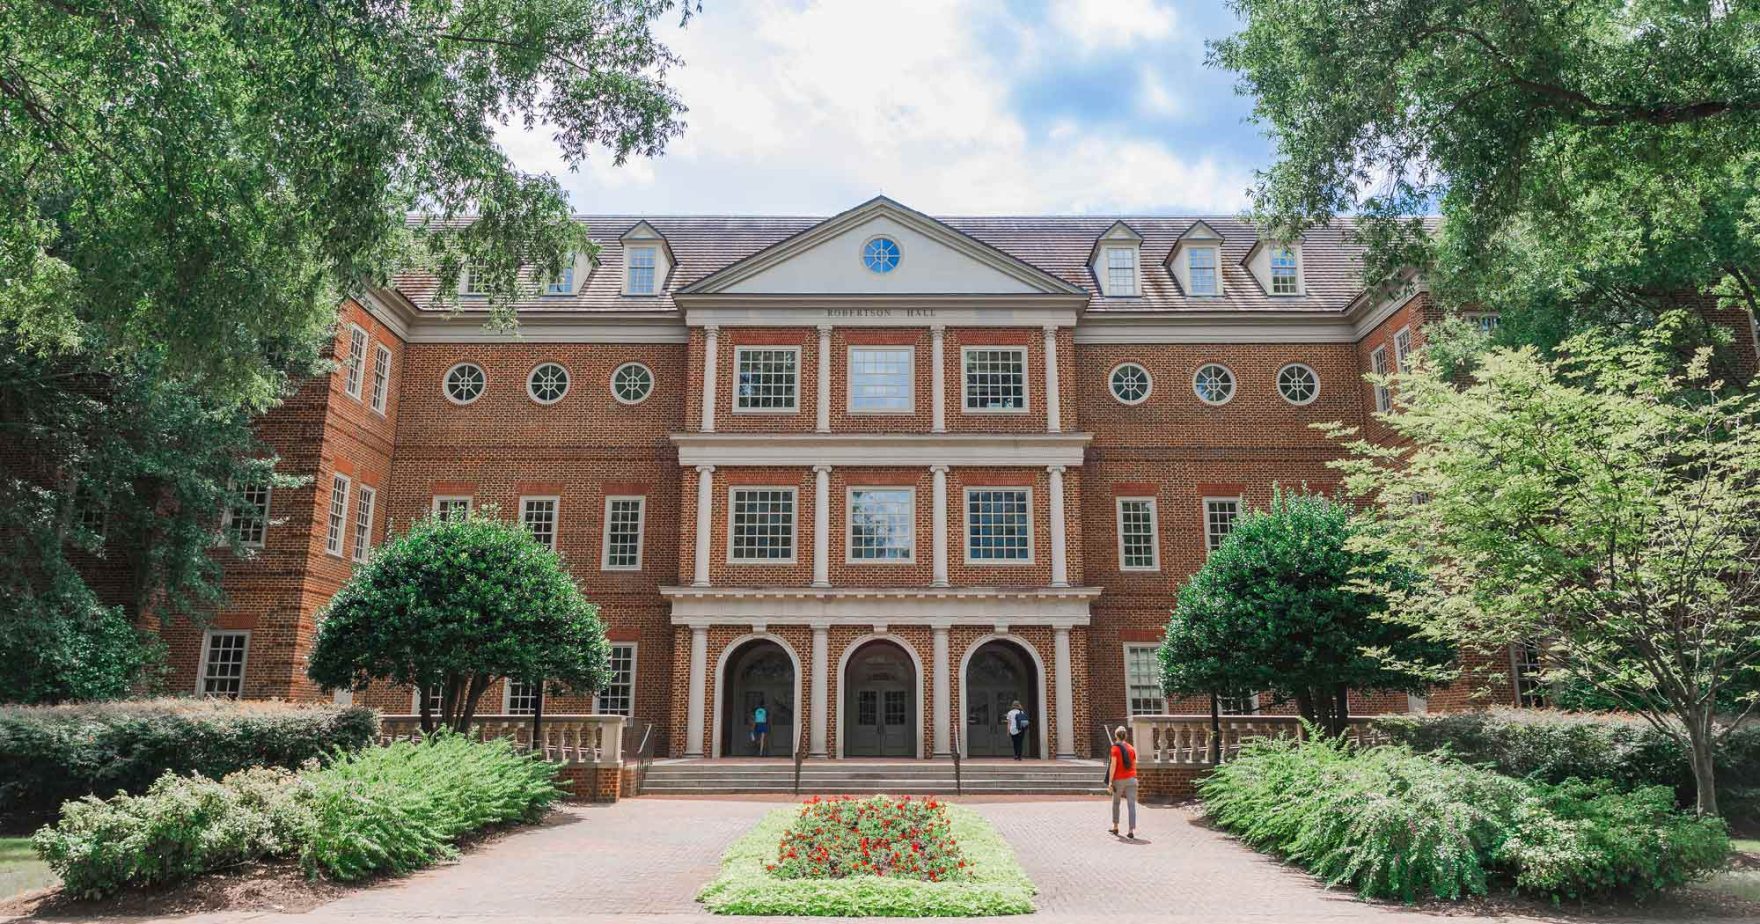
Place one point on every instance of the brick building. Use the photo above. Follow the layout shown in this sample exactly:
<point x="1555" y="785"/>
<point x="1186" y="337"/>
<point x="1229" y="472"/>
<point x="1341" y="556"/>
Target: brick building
<point x="883" y="474"/>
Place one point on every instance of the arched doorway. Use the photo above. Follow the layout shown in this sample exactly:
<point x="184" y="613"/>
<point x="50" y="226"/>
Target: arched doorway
<point x="999" y="673"/>
<point x="880" y="702"/>
<point x="758" y="673"/>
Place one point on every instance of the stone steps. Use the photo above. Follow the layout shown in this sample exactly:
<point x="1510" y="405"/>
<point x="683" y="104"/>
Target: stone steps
<point x="899" y="777"/>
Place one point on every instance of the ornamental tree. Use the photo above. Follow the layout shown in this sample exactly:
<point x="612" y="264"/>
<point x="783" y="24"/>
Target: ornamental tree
<point x="1594" y="504"/>
<point x="455" y="606"/>
<point x="1282" y="607"/>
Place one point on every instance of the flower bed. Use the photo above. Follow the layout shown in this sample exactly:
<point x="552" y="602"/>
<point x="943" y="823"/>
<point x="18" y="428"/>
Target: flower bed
<point x="879" y="857"/>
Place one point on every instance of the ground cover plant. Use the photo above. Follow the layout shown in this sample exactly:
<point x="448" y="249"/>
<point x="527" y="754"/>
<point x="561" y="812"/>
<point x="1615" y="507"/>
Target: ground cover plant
<point x="879" y="857"/>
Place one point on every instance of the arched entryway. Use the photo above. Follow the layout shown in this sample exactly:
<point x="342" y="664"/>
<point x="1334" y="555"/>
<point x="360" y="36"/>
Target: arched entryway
<point x="998" y="673"/>
<point x="759" y="672"/>
<point x="879" y="701"/>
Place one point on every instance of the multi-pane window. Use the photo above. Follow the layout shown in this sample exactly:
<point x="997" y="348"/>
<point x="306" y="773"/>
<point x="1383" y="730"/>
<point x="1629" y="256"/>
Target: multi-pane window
<point x="882" y="524"/>
<point x="223" y="664"/>
<point x="248" y="521"/>
<point x="1142" y="678"/>
<point x="1378" y="365"/>
<point x="1237" y="705"/>
<point x="538" y="516"/>
<point x="547" y="383"/>
<point x="436" y="699"/>
<point x="452" y="508"/>
<point x="381" y="377"/>
<point x="563" y="284"/>
<point x="999" y="525"/>
<point x="1201" y="271"/>
<point x="94" y="514"/>
<point x="1529" y="669"/>
<point x="357" y="362"/>
<point x="619" y="696"/>
<point x="1283" y="271"/>
<point x="641" y="271"/>
<point x="768" y="378"/>
<point x="631" y="383"/>
<point x="761" y="528"/>
<point x="1298" y="384"/>
<point x="363" y="522"/>
<point x="333" y="535"/>
<point x="1213" y="383"/>
<point x="1130" y="383"/>
<point x="1486" y="321"/>
<point x="623" y="533"/>
<point x="470" y="282"/>
<point x="1137" y="548"/>
<point x="1219" y="516"/>
<point x="1121" y="271"/>
<point x="1402" y="350"/>
<point x="522" y="698"/>
<point x="996" y="379"/>
<point x="465" y="382"/>
<point x="881" y="379"/>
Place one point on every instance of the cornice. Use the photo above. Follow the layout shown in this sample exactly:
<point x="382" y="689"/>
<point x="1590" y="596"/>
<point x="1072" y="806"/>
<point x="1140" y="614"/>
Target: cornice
<point x="882" y="449"/>
<point x="881" y="607"/>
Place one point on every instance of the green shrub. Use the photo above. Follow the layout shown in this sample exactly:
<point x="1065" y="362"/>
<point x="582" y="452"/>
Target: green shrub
<point x="50" y="754"/>
<point x="1578" y="839"/>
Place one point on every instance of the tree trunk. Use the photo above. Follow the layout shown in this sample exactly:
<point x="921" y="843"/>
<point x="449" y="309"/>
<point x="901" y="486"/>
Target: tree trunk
<point x="478" y="684"/>
<point x="1341" y="716"/>
<point x="427" y="711"/>
<point x="1702" y="755"/>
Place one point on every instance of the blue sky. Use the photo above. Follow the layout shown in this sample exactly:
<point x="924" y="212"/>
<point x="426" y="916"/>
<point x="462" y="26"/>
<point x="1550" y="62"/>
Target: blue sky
<point x="949" y="106"/>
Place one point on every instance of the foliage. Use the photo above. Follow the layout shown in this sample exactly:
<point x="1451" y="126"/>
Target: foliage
<point x="1392" y="824"/>
<point x="995" y="884"/>
<point x="1279" y="609"/>
<point x="1593" y="504"/>
<point x="882" y="836"/>
<point x="189" y="188"/>
<point x="1589" y="159"/>
<point x="50" y="754"/>
<point x="456" y="606"/>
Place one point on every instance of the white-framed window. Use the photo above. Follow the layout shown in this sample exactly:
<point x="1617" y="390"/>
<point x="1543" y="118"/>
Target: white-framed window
<point x="1201" y="271"/>
<point x="1130" y="383"/>
<point x="1237" y="705"/>
<point x="882" y="379"/>
<point x="470" y="282"/>
<point x="518" y="698"/>
<point x="1142" y="679"/>
<point x="1378" y="365"/>
<point x="563" y="284"/>
<point x="1213" y="383"/>
<point x="436" y="700"/>
<point x="639" y="273"/>
<point x="1283" y="271"/>
<point x="632" y="383"/>
<point x="1121" y="271"/>
<point x="619" y="696"/>
<point x="999" y="526"/>
<point x="623" y="533"/>
<point x="356" y="369"/>
<point x="761" y="527"/>
<point x="1138" y="542"/>
<point x="1402" y="350"/>
<point x="1528" y="667"/>
<point x="454" y="507"/>
<point x="464" y="383"/>
<point x="996" y="379"/>
<point x="223" y="657"/>
<point x="767" y="379"/>
<point x="538" y="516"/>
<point x="1220" y="514"/>
<point x="338" y="520"/>
<point x="882" y="524"/>
<point x="94" y="514"/>
<point x="363" y="522"/>
<point x="381" y="377"/>
<point x="247" y="522"/>
<point x="1486" y="321"/>
<point x="547" y="383"/>
<point x="1298" y="384"/>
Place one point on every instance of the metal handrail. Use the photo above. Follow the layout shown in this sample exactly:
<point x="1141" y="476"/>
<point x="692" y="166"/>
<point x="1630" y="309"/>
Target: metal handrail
<point x="959" y="787"/>
<point x="800" y="757"/>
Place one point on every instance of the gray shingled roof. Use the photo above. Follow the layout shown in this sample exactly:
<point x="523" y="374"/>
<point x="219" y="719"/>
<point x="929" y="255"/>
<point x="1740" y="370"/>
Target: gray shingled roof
<point x="1057" y="245"/>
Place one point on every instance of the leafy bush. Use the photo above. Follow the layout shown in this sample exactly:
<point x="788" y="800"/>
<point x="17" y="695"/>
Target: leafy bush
<point x="1393" y="824"/>
<point x="882" y="836"/>
<point x="50" y="754"/>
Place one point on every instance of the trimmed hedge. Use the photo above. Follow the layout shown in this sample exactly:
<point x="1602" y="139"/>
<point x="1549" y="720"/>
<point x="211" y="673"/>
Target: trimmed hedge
<point x="50" y="754"/>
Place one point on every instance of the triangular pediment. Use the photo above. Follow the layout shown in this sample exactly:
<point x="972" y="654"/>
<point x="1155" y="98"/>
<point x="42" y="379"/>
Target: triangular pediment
<point x="928" y="258"/>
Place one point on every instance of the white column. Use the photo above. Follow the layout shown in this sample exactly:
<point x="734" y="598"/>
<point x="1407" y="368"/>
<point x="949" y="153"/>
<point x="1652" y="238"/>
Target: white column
<point x="711" y="363"/>
<point x="824" y="378"/>
<point x="941" y="696"/>
<point x="938" y="378"/>
<point x="705" y="517"/>
<point x="693" y="717"/>
<point x="938" y="526"/>
<point x="1066" y="699"/>
<point x="820" y="703"/>
<point x="1059" y="550"/>
<point x="821" y="526"/>
<point x="1053" y="397"/>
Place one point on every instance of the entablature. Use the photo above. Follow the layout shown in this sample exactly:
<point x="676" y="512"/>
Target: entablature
<point x="881" y="606"/>
<point x="882" y="449"/>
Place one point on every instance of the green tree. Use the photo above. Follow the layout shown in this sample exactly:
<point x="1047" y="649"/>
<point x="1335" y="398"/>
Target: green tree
<point x="189" y="187"/>
<point x="455" y="606"/>
<point x="1591" y="160"/>
<point x="1595" y="504"/>
<point x="1282" y="607"/>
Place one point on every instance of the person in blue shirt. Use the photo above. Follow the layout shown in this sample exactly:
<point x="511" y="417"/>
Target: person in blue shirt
<point x="761" y="728"/>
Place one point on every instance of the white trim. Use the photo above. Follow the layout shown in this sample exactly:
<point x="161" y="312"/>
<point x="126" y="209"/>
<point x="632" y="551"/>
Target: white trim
<point x="909" y="450"/>
<point x="635" y="658"/>
<point x="605" y="532"/>
<point x="658" y="267"/>
<point x="1240" y="509"/>
<point x="229" y="514"/>
<point x="892" y="311"/>
<point x="1125" y="650"/>
<point x="1382" y="394"/>
<point x="1026" y="407"/>
<point x="446" y="376"/>
<point x="653" y="383"/>
<point x="898" y="255"/>
<point x="1103" y="269"/>
<point x="1402" y="351"/>
<point x="507" y="697"/>
<point x="965" y="702"/>
<point x="849" y="377"/>
<point x="739" y="351"/>
<point x="555" y="516"/>
<point x="567" y="382"/>
<point x="794" y="525"/>
<point x="330" y="511"/>
<point x="720" y="685"/>
<point x="470" y="505"/>
<point x="1234" y="383"/>
<point x="1215" y="247"/>
<point x="1146" y="374"/>
<point x="966" y="532"/>
<point x="1277" y="383"/>
<point x="381" y="399"/>
<point x="366" y="500"/>
<point x="849" y="532"/>
<point x="1154" y="531"/>
<point x="207" y="646"/>
<point x="356" y="375"/>
<point x="843" y="684"/>
<point x="897" y="606"/>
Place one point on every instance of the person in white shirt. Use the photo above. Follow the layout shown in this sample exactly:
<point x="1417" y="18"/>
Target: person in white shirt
<point x="1017" y="727"/>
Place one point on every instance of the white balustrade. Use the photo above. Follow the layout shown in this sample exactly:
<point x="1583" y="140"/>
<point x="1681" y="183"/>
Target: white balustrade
<point x="1185" y="740"/>
<point x="572" y="740"/>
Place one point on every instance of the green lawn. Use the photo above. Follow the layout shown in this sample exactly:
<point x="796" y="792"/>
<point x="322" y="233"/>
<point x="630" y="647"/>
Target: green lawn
<point x="20" y="870"/>
<point x="1742" y="883"/>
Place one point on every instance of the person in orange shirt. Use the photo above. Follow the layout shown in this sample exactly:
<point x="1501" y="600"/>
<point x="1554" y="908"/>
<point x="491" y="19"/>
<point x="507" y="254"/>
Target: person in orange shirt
<point x="1121" y="779"/>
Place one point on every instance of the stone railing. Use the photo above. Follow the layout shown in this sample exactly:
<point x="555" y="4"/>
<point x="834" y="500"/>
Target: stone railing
<point x="573" y="740"/>
<point x="1185" y="740"/>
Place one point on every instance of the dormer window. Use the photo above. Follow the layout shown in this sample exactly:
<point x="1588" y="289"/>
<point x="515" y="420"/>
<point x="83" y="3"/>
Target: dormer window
<point x="470" y="283"/>
<point x="563" y="284"/>
<point x="640" y="272"/>
<point x="1283" y="271"/>
<point x="1121" y="271"/>
<point x="1201" y="270"/>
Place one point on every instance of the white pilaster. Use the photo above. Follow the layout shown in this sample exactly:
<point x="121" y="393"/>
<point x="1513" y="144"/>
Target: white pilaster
<point x="941" y="696"/>
<point x="1066" y="700"/>
<point x="705" y="517"/>
<point x="819" y="706"/>
<point x="821" y="526"/>
<point x="1053" y="397"/>
<point x="1059" y="541"/>
<point x="693" y="719"/>
<point x="824" y="409"/>
<point x="938" y="378"/>
<point x="938" y="526"/>
<point x="711" y="363"/>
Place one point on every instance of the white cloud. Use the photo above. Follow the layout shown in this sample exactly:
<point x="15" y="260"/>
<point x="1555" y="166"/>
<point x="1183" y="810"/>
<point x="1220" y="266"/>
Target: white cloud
<point x="1113" y="24"/>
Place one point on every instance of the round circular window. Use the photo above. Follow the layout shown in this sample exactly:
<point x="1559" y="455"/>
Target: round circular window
<point x="1130" y="383"/>
<point x="631" y="383"/>
<point x="1298" y="384"/>
<point x="1213" y="383"/>
<point x="547" y="383"/>
<point x="464" y="383"/>
<point x="880" y="255"/>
